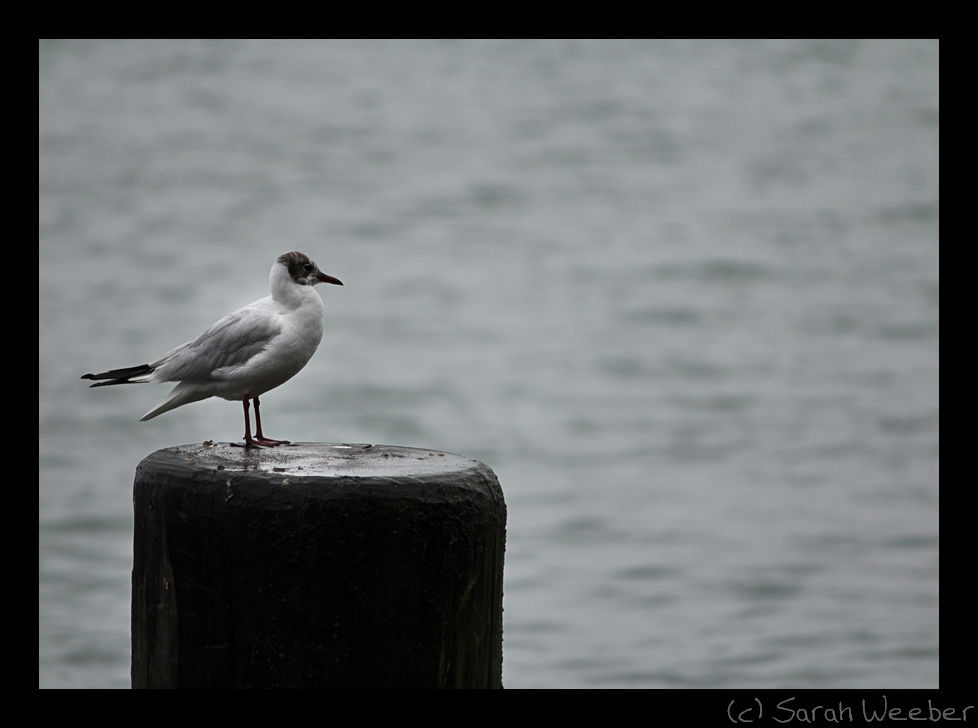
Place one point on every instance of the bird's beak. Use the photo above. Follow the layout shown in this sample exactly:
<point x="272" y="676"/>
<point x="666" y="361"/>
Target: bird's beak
<point x="323" y="278"/>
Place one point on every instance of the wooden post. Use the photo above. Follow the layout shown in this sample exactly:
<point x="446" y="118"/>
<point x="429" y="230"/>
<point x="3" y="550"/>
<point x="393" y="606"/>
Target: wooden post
<point x="316" y="565"/>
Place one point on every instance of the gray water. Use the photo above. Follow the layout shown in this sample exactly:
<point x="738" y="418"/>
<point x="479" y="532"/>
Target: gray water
<point x="683" y="298"/>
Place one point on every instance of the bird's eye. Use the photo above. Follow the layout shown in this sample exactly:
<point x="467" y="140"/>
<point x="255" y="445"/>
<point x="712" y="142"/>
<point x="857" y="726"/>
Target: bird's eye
<point x="307" y="266"/>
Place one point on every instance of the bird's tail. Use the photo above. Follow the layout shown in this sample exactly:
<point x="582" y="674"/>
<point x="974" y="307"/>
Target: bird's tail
<point x="183" y="393"/>
<point x="129" y="375"/>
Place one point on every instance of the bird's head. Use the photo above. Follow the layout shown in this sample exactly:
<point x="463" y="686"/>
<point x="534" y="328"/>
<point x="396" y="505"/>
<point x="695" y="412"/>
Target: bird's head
<point x="304" y="271"/>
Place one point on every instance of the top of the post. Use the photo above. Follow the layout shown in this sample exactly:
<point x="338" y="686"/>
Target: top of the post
<point x="316" y="461"/>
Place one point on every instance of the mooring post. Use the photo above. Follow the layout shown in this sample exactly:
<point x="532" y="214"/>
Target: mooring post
<point x="316" y="565"/>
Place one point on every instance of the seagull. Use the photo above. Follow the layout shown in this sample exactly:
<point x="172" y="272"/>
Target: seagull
<point x="247" y="352"/>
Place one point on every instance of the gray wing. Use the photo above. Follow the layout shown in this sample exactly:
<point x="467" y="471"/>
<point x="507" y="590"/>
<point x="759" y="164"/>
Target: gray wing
<point x="228" y="344"/>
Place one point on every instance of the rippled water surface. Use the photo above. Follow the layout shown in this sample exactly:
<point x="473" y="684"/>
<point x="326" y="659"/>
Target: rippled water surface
<point x="683" y="298"/>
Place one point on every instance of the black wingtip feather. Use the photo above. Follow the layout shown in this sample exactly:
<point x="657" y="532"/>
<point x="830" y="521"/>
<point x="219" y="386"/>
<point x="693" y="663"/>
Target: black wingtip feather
<point x="119" y="376"/>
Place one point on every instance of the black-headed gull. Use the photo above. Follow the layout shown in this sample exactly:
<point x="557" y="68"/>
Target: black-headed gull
<point x="247" y="352"/>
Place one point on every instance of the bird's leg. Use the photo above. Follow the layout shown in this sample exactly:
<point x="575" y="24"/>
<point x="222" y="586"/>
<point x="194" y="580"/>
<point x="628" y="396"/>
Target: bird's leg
<point x="261" y="439"/>
<point x="249" y="441"/>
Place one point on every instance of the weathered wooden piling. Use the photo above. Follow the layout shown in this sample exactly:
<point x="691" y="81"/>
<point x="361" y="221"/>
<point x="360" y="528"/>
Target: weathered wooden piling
<point x="316" y="565"/>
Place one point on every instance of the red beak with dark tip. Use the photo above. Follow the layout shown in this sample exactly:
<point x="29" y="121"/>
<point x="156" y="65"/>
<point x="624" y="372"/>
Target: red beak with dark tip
<point x="323" y="278"/>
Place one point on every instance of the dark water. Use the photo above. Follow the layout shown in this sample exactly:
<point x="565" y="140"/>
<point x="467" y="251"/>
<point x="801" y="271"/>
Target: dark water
<point x="683" y="298"/>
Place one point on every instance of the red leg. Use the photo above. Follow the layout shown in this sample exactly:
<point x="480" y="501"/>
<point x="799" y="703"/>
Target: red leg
<point x="249" y="442"/>
<point x="261" y="439"/>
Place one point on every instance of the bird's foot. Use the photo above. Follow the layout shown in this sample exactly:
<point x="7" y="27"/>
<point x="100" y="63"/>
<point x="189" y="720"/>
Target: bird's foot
<point x="267" y="442"/>
<point x="260" y="442"/>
